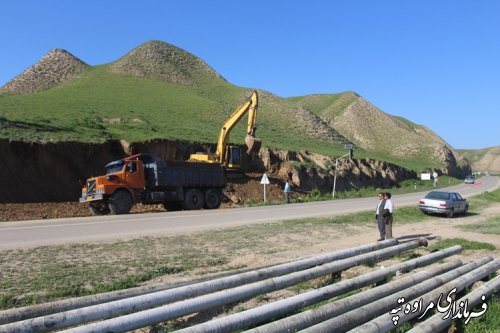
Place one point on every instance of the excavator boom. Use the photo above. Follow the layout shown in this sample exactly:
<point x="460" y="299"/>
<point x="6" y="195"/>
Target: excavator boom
<point x="253" y="144"/>
<point x="222" y="155"/>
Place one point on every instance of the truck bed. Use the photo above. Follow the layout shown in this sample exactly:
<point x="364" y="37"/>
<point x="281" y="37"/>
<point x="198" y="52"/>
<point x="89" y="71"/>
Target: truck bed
<point x="186" y="174"/>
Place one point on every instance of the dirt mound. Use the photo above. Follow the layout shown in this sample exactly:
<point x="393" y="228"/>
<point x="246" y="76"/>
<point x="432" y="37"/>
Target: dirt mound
<point x="55" y="67"/>
<point x="249" y="189"/>
<point x="164" y="62"/>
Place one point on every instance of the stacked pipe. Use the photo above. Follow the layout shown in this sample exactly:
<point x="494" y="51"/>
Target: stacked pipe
<point x="192" y="290"/>
<point x="282" y="307"/>
<point x="385" y="322"/>
<point x="158" y="307"/>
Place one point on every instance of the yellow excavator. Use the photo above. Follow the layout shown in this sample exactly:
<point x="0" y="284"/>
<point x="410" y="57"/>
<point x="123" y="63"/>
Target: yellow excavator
<point x="230" y="156"/>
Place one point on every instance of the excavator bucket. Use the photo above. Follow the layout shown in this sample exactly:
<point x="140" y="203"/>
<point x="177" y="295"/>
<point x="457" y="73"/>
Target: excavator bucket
<point x="253" y="144"/>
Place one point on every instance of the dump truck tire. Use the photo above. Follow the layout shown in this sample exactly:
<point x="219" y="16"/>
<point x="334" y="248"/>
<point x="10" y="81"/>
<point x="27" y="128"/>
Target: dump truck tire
<point x="120" y="202"/>
<point x="212" y="199"/>
<point x="99" y="208"/>
<point x="193" y="199"/>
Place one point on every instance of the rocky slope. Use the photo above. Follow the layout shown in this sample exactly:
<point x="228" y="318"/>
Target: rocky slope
<point x="56" y="67"/>
<point x="372" y="129"/>
<point x="161" y="61"/>
<point x="484" y="160"/>
<point x="54" y="172"/>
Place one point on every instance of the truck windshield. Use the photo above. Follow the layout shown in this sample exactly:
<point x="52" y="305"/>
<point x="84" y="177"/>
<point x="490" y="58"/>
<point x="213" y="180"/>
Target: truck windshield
<point x="115" y="167"/>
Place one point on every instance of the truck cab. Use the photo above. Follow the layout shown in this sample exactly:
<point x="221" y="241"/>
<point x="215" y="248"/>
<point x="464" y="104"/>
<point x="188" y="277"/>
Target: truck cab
<point x="124" y="179"/>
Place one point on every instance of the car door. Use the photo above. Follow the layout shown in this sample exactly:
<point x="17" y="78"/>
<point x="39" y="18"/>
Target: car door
<point x="462" y="202"/>
<point x="455" y="203"/>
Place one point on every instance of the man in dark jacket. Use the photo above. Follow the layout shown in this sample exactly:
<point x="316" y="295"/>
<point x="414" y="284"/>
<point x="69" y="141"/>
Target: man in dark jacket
<point x="379" y="218"/>
<point x="387" y="215"/>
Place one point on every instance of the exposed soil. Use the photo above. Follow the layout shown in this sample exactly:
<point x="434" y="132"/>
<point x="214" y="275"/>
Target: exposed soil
<point x="238" y="192"/>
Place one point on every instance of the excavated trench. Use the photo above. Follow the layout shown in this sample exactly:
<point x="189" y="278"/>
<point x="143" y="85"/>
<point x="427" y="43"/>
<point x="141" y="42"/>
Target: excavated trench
<point x="33" y="172"/>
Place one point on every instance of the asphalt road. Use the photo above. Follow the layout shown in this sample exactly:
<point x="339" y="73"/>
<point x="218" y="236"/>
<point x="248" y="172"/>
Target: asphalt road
<point x="26" y="234"/>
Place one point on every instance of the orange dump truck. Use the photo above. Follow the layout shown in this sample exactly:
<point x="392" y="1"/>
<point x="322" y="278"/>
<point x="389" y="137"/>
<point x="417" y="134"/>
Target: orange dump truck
<point x="147" y="179"/>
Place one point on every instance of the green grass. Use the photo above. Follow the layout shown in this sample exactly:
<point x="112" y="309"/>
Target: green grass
<point x="147" y="109"/>
<point x="326" y="104"/>
<point x="466" y="245"/>
<point x="406" y="186"/>
<point x="490" y="226"/>
<point x="483" y="200"/>
<point x="487" y="323"/>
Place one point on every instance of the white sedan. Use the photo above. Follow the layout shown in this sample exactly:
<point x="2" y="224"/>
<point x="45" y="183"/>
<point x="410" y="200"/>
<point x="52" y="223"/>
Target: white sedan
<point x="444" y="202"/>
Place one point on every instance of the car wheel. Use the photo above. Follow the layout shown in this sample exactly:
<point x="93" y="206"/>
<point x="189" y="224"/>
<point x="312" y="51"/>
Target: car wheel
<point x="450" y="213"/>
<point x="466" y="210"/>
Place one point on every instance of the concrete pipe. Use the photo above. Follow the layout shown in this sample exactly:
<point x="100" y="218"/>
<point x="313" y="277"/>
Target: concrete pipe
<point x="38" y="310"/>
<point x="319" y="314"/>
<point x="181" y="308"/>
<point x="384" y="322"/>
<point x="437" y="323"/>
<point x="442" y="283"/>
<point x="282" y="307"/>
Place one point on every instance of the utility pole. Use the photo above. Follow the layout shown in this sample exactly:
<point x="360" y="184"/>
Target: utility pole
<point x="350" y="154"/>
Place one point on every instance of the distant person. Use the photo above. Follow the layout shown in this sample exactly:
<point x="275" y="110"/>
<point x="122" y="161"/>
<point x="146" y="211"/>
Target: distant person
<point x="287" y="191"/>
<point x="436" y="181"/>
<point x="387" y="215"/>
<point x="379" y="218"/>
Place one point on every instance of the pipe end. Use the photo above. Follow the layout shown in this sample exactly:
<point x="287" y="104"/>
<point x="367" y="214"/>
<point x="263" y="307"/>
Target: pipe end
<point x="423" y="242"/>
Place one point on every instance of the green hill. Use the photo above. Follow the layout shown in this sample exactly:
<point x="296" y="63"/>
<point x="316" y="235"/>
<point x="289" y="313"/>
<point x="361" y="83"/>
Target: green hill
<point x="160" y="91"/>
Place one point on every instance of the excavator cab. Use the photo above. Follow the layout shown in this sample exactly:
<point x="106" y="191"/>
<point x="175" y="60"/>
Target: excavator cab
<point x="233" y="158"/>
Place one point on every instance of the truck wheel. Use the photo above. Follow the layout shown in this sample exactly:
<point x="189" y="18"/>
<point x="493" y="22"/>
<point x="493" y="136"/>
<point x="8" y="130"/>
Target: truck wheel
<point x="193" y="199"/>
<point x="120" y="202"/>
<point x="212" y="199"/>
<point x="172" y="206"/>
<point x="99" y="208"/>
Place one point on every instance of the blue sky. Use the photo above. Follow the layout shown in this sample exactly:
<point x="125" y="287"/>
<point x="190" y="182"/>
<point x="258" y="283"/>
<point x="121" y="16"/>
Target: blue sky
<point x="435" y="63"/>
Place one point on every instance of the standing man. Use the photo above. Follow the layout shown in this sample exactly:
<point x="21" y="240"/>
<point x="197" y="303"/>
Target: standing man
<point x="287" y="191"/>
<point x="379" y="218"/>
<point x="387" y="215"/>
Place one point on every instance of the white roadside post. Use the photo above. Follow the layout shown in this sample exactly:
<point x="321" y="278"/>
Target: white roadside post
<point x="264" y="181"/>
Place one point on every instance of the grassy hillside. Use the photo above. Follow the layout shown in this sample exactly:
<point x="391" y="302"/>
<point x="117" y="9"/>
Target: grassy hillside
<point x="160" y="91"/>
<point x="327" y="105"/>
<point x="103" y="105"/>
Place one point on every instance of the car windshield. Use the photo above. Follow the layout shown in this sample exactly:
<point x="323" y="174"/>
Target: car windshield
<point x="438" y="195"/>
<point x="115" y="167"/>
